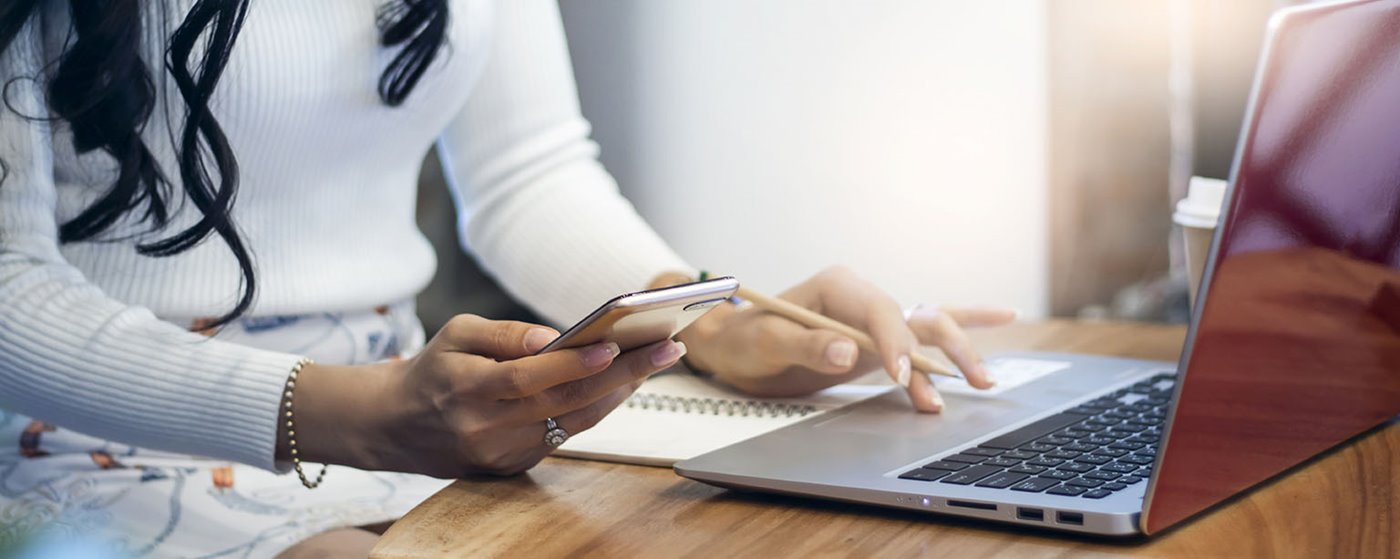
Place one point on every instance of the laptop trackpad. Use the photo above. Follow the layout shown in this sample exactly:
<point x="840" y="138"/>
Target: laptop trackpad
<point x="889" y="416"/>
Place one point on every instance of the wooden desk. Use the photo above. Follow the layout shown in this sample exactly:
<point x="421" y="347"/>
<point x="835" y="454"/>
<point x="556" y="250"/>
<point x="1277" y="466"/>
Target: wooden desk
<point x="1341" y="504"/>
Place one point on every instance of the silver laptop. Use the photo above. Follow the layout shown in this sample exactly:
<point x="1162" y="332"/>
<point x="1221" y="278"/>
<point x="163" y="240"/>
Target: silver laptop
<point x="1294" y="347"/>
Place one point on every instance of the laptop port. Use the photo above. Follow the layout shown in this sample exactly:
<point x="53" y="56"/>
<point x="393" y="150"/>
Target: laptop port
<point x="972" y="505"/>
<point x="1036" y="515"/>
<point x="1074" y="518"/>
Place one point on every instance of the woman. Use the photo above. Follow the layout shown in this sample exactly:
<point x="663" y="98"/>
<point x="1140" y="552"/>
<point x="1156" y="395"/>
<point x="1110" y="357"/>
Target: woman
<point x="207" y="248"/>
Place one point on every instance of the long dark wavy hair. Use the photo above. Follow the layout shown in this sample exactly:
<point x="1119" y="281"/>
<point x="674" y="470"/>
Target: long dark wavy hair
<point x="105" y="92"/>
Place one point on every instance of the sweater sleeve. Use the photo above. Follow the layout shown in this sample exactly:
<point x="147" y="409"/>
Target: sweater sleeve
<point x="74" y="357"/>
<point x="534" y="204"/>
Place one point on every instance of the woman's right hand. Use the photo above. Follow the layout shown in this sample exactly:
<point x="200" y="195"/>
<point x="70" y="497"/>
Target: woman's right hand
<point x="473" y="401"/>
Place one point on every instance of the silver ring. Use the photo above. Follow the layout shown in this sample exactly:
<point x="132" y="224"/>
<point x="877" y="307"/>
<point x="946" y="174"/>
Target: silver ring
<point x="554" y="435"/>
<point x="909" y="312"/>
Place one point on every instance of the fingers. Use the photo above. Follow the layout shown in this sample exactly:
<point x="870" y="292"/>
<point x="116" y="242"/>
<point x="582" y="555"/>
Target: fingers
<point x="980" y="317"/>
<point x="586" y="417"/>
<point x="819" y="350"/>
<point x="573" y="422"/>
<point x="938" y="328"/>
<point x="896" y="341"/>
<point x="527" y="376"/>
<point x="498" y="339"/>
<point x="928" y="400"/>
<point x="628" y="368"/>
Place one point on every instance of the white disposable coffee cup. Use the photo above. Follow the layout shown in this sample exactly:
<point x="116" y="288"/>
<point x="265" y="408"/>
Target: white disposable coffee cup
<point x="1198" y="214"/>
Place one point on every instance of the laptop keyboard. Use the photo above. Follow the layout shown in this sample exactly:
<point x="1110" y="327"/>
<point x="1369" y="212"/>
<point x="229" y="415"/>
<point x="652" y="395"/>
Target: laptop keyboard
<point x="1088" y="451"/>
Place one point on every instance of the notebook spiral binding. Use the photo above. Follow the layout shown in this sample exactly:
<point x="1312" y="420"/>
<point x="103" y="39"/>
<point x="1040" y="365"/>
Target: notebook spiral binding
<point x="717" y="406"/>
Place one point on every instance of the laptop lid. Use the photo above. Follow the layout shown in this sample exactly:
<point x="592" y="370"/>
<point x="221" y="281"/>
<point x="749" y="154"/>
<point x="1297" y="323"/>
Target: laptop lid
<point x="1296" y="343"/>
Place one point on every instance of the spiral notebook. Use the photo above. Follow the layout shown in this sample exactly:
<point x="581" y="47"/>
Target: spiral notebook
<point x="676" y="415"/>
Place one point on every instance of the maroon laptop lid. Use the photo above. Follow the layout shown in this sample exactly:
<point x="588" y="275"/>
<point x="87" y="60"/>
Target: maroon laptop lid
<point x="1297" y="346"/>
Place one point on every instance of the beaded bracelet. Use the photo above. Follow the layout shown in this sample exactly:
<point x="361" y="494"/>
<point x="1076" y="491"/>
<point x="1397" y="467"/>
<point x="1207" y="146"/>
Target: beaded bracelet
<point x="292" y="427"/>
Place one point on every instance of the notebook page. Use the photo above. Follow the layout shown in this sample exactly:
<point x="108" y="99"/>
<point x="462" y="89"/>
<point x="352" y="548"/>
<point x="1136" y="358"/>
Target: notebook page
<point x="655" y="435"/>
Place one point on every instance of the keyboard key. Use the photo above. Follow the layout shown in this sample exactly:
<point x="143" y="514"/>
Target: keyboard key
<point x="1034" y="431"/>
<point x="1129" y="479"/>
<point x="1098" y="440"/>
<point x="1148" y="452"/>
<point x="1102" y="475"/>
<point x="965" y="458"/>
<point x="1035" y="485"/>
<point x="988" y="452"/>
<point x="1075" y="467"/>
<point x="1058" y="474"/>
<point x="1019" y="454"/>
<point x="1001" y="461"/>
<point x="1066" y="490"/>
<point x="1043" y="461"/>
<point x="1135" y="459"/>
<point x="1096" y="494"/>
<point x="1119" y="468"/>
<point x="1055" y="440"/>
<point x="1094" y="459"/>
<point x="1125" y="445"/>
<point x="1081" y="482"/>
<point x="1038" y="447"/>
<point x="1028" y="469"/>
<point x="944" y="465"/>
<point x="1063" y="454"/>
<point x="1002" y="480"/>
<point x="1074" y="433"/>
<point x="971" y="475"/>
<point x="924" y="474"/>
<point x="1113" y="452"/>
<point x="1114" y="486"/>
<point x="1079" y="447"/>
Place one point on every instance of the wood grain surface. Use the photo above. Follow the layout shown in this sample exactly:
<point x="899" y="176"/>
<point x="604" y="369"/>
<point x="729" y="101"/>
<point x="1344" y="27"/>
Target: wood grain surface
<point x="1341" y="504"/>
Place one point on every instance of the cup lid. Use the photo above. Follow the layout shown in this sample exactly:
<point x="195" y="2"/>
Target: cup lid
<point x="1203" y="201"/>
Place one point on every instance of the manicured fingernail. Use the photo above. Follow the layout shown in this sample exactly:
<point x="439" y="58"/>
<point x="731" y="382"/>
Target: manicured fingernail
<point x="987" y="374"/>
<point x="904" y="371"/>
<point x="934" y="396"/>
<point x="600" y="354"/>
<point x="841" y="353"/>
<point x="667" y="354"/>
<point x="537" y="338"/>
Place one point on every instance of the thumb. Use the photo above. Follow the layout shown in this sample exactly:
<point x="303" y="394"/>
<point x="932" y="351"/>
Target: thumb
<point x="823" y="351"/>
<point x="502" y="340"/>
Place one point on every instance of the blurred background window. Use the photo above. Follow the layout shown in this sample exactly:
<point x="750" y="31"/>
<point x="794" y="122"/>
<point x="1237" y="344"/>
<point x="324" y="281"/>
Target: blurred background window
<point x="1021" y="152"/>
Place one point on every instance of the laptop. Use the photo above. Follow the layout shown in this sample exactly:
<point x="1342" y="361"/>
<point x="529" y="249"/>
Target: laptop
<point x="1294" y="347"/>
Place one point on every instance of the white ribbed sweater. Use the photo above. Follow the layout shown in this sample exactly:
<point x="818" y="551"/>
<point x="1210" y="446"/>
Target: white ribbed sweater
<point x="326" y="203"/>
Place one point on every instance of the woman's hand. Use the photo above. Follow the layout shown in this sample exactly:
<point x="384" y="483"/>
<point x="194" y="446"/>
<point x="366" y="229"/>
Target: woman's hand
<point x="767" y="355"/>
<point x="473" y="401"/>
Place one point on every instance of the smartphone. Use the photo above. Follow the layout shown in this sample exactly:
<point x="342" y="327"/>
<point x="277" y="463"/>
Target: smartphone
<point x="637" y="319"/>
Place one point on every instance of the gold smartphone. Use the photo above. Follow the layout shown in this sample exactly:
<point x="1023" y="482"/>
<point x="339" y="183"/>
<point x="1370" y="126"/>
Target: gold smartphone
<point x="637" y="319"/>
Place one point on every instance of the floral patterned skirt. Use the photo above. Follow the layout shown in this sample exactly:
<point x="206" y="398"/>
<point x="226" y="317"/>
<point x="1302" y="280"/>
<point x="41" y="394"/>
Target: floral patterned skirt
<point x="135" y="501"/>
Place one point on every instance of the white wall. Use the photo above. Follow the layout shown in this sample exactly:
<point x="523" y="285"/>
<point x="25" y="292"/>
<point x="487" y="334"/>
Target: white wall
<point x="770" y="138"/>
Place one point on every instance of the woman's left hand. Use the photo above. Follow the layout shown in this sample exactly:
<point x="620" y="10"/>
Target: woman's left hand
<point x="767" y="355"/>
